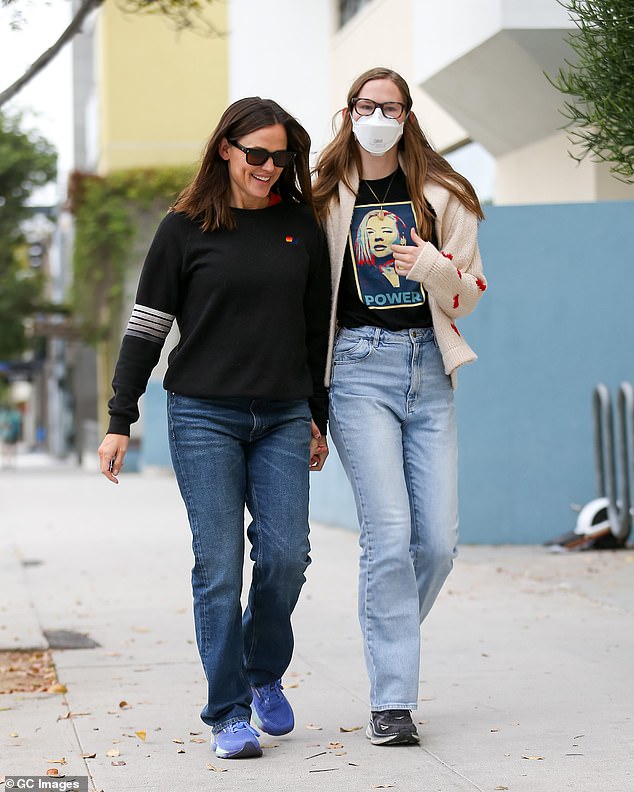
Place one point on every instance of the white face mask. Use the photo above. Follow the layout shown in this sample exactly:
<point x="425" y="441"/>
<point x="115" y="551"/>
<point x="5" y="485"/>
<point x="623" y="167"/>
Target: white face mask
<point x="376" y="133"/>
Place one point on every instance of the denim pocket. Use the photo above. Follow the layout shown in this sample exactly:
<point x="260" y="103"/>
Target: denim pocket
<point x="350" y="349"/>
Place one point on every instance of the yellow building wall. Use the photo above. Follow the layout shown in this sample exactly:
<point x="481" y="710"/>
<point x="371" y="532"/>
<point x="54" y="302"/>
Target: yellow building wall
<point x="160" y="91"/>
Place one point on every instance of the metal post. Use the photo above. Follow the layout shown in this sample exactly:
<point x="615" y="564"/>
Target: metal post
<point x="625" y="436"/>
<point x="604" y="443"/>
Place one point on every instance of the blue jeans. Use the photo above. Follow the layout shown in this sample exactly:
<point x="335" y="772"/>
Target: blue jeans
<point x="392" y="420"/>
<point x="227" y="454"/>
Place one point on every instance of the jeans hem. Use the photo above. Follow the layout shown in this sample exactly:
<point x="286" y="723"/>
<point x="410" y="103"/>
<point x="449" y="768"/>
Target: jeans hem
<point x="397" y="706"/>
<point x="218" y="727"/>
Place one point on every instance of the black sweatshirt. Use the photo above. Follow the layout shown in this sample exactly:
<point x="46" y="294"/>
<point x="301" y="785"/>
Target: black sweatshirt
<point x="252" y="306"/>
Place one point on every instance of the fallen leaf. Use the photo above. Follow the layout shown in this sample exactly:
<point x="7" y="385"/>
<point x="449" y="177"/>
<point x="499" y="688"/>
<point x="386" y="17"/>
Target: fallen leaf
<point x="346" y="729"/>
<point x="120" y="763"/>
<point x="113" y="752"/>
<point x="325" y="770"/>
<point x="123" y="705"/>
<point x="382" y="786"/>
<point x="89" y="756"/>
<point x="197" y="740"/>
<point x="494" y="730"/>
<point x="313" y="726"/>
<point x="58" y="688"/>
<point x="52" y="772"/>
<point x="501" y="787"/>
<point x="195" y="733"/>
<point x="532" y="757"/>
<point x="180" y="750"/>
<point x="216" y="769"/>
<point x="269" y="745"/>
<point x="141" y="734"/>
<point x="293" y="685"/>
<point x="178" y="741"/>
<point x="335" y="745"/>
<point x="14" y="734"/>
<point x="61" y="761"/>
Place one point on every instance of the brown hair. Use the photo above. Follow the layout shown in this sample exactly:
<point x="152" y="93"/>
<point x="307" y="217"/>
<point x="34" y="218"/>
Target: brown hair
<point x="421" y="162"/>
<point x="206" y="199"/>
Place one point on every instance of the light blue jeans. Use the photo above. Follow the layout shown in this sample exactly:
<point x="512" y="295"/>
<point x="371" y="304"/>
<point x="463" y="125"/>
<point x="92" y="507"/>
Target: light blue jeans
<point x="227" y="454"/>
<point x="392" y="420"/>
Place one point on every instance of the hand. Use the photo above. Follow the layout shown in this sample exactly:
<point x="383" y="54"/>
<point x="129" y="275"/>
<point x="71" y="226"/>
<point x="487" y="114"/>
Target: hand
<point x="405" y="256"/>
<point x="111" y="453"/>
<point x="318" y="449"/>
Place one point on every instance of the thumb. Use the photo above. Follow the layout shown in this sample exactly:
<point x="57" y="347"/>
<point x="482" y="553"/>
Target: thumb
<point x="416" y="239"/>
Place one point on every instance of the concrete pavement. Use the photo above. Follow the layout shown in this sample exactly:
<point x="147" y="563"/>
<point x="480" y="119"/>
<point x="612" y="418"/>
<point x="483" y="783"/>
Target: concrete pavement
<point x="527" y="680"/>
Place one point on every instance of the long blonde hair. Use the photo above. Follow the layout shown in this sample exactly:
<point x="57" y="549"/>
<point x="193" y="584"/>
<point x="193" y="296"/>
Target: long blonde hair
<point x="421" y="162"/>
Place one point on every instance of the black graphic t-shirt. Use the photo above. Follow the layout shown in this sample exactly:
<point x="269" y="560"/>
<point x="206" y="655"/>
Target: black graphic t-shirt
<point x="371" y="293"/>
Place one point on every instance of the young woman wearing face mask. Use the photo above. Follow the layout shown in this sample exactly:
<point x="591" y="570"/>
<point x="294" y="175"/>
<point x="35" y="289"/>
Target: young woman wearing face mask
<point x="242" y="265"/>
<point x="393" y="370"/>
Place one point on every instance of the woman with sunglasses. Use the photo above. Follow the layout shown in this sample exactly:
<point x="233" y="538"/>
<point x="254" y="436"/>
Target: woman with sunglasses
<point x="394" y="366"/>
<point x="240" y="262"/>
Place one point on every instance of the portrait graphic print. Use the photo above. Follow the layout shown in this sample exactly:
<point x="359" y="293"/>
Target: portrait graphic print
<point x="373" y="231"/>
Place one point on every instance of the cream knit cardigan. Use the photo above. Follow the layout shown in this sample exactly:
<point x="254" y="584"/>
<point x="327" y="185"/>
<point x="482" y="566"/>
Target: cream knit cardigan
<point x="452" y="276"/>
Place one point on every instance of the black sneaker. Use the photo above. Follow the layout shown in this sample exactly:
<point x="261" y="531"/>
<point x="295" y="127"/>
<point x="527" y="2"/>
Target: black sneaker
<point x="391" y="727"/>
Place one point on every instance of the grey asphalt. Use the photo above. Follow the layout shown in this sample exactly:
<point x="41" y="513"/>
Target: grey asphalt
<point x="527" y="668"/>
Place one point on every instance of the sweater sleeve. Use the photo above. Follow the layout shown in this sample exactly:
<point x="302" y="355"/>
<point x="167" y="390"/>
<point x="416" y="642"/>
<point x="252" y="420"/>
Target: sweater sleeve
<point x="156" y="307"/>
<point x="317" y="312"/>
<point x="453" y="275"/>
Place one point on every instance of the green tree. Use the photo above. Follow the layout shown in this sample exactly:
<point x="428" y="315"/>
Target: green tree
<point x="600" y="110"/>
<point x="26" y="163"/>
<point x="182" y="14"/>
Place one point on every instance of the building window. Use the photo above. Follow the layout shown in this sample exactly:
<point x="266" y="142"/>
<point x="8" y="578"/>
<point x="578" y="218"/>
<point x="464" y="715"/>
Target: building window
<point x="348" y="8"/>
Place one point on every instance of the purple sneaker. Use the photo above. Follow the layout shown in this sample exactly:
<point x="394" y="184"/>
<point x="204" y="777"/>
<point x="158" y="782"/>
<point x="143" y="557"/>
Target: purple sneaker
<point x="270" y="710"/>
<point x="236" y="740"/>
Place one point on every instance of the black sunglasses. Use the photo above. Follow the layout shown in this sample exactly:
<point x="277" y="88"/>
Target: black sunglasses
<point x="258" y="156"/>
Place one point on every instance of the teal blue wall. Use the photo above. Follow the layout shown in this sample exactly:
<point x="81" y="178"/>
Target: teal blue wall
<point x="558" y="317"/>
<point x="155" y="450"/>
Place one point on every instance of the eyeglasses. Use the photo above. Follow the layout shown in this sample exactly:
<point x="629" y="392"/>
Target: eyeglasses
<point x="258" y="156"/>
<point x="366" y="107"/>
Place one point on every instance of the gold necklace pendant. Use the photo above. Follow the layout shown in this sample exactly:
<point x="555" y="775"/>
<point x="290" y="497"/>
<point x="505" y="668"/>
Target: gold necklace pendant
<point x="381" y="214"/>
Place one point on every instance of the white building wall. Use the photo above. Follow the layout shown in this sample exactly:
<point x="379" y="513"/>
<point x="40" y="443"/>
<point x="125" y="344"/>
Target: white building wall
<point x="483" y="60"/>
<point x="281" y="51"/>
<point x="543" y="172"/>
<point x="381" y="35"/>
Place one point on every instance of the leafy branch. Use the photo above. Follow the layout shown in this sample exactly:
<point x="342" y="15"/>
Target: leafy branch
<point x="600" y="110"/>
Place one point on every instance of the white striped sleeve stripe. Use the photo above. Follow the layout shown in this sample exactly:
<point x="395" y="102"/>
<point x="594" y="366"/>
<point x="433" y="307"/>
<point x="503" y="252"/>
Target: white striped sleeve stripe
<point x="149" y="323"/>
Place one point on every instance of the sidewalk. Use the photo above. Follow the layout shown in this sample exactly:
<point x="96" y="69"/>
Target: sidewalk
<point x="528" y="680"/>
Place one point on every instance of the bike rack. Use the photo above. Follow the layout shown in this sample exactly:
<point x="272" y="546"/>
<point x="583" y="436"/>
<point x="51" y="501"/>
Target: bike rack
<point x="615" y="489"/>
<point x="625" y="407"/>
